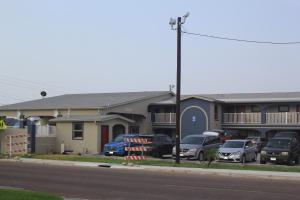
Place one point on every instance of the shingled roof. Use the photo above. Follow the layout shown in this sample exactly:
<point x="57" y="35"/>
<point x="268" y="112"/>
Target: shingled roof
<point x="83" y="101"/>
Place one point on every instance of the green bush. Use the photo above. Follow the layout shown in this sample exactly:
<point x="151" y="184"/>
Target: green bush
<point x="210" y="156"/>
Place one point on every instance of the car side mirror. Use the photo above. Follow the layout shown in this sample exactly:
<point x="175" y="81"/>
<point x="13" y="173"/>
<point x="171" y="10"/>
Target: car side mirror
<point x="220" y="145"/>
<point x="246" y="147"/>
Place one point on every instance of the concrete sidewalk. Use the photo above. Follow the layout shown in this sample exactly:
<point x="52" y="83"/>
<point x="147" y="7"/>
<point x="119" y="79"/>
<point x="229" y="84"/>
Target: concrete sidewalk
<point x="163" y="169"/>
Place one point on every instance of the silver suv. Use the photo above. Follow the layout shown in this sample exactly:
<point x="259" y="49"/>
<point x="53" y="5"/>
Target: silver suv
<point x="195" y="146"/>
<point x="237" y="151"/>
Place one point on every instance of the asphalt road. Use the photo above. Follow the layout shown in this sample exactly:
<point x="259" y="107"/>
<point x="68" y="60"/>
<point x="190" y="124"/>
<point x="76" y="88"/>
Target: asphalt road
<point x="106" y="183"/>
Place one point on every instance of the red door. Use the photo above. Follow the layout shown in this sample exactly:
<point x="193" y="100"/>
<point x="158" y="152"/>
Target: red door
<point x="104" y="136"/>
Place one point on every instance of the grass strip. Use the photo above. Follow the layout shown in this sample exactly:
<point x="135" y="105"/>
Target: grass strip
<point x="170" y="163"/>
<point x="14" y="194"/>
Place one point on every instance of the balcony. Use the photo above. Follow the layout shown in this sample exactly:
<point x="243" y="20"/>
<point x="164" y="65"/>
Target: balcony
<point x="283" y="118"/>
<point x="163" y="118"/>
<point x="242" y="118"/>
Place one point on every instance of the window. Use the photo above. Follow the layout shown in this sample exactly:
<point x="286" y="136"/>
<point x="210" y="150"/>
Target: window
<point x="77" y="131"/>
<point x="283" y="108"/>
<point x="216" y="113"/>
<point x="255" y="109"/>
<point x="134" y="129"/>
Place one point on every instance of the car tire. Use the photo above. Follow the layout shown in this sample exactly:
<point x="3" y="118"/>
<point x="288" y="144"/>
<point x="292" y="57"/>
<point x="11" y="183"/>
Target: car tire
<point x="201" y="156"/>
<point x="290" y="162"/>
<point x="254" y="158"/>
<point x="297" y="160"/>
<point x="262" y="162"/>
<point x="243" y="160"/>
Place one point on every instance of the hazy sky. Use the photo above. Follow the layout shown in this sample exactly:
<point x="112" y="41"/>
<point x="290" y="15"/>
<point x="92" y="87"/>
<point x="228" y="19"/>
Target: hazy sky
<point x="69" y="46"/>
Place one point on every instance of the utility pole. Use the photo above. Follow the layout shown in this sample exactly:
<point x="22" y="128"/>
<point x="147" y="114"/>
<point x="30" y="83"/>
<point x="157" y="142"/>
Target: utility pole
<point x="178" y="81"/>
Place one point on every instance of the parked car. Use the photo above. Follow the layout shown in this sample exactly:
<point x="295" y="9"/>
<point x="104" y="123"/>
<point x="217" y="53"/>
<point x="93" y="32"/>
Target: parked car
<point x="259" y="142"/>
<point x="160" y="145"/>
<point x="237" y="151"/>
<point x="222" y="134"/>
<point x="195" y="146"/>
<point x="281" y="150"/>
<point x="287" y="134"/>
<point x="117" y="147"/>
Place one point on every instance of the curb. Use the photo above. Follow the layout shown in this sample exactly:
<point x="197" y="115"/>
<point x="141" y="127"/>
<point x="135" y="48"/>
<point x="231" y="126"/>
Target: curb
<point x="173" y="170"/>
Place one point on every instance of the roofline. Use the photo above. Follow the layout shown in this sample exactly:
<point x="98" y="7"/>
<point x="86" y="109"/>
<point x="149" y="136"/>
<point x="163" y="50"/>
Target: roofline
<point x="83" y="108"/>
<point x="55" y="120"/>
<point x="202" y="98"/>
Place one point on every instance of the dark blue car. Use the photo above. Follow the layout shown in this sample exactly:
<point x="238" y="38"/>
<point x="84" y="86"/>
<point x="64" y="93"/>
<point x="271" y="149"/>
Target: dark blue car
<point x="117" y="148"/>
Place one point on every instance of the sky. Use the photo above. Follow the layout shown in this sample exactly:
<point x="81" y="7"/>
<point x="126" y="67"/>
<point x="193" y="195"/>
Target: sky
<point x="95" y="46"/>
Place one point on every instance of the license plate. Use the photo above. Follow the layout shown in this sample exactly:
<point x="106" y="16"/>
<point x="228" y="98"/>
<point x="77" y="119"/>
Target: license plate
<point x="111" y="152"/>
<point x="181" y="154"/>
<point x="273" y="159"/>
<point x="226" y="158"/>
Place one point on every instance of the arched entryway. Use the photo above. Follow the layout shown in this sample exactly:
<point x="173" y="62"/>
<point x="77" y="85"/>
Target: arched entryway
<point x="194" y="120"/>
<point x="117" y="130"/>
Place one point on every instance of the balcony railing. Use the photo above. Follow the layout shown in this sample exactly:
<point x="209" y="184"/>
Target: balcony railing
<point x="163" y="118"/>
<point x="242" y="118"/>
<point x="283" y="118"/>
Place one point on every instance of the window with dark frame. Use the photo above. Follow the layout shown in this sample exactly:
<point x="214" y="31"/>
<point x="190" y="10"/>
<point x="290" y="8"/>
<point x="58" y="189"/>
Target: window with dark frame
<point x="283" y="108"/>
<point x="255" y="109"/>
<point x="134" y="129"/>
<point x="216" y="113"/>
<point x="77" y="131"/>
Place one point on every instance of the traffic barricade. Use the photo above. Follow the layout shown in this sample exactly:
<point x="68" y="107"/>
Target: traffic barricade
<point x="136" y="149"/>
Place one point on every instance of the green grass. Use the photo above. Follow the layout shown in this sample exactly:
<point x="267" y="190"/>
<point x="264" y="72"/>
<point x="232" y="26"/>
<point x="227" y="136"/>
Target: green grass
<point x="12" y="194"/>
<point x="214" y="165"/>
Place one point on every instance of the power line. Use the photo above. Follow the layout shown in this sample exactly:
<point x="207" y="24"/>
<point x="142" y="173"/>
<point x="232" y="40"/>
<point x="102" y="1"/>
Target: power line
<point x="240" y="40"/>
<point x="60" y="88"/>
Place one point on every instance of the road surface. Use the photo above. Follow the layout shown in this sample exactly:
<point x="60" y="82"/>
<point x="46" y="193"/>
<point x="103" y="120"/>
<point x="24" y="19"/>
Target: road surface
<point x="106" y="183"/>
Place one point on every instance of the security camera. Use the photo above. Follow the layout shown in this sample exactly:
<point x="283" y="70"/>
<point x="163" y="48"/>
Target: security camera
<point x="172" y="22"/>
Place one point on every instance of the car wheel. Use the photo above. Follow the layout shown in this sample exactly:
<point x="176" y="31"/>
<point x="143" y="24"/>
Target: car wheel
<point x="201" y="157"/>
<point x="262" y="161"/>
<point x="243" y="160"/>
<point x="255" y="157"/>
<point x="290" y="162"/>
<point x="297" y="160"/>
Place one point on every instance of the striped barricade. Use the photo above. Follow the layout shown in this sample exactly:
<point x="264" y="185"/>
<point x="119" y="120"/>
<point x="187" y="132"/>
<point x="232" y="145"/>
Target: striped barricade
<point x="16" y="136"/>
<point x="138" y="140"/>
<point x="16" y="144"/>
<point x="135" y="158"/>
<point x="136" y="149"/>
<point x="141" y="149"/>
<point x="17" y="151"/>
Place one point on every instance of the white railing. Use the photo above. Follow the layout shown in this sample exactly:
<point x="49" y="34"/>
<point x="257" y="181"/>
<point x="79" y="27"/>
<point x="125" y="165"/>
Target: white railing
<point x="164" y="118"/>
<point x="283" y="118"/>
<point x="242" y="118"/>
<point x="45" y="131"/>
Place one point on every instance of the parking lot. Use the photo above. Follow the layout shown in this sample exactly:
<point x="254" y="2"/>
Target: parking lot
<point x="184" y="160"/>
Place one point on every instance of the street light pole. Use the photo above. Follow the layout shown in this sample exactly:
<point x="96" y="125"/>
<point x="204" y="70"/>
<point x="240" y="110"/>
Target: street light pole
<point x="178" y="81"/>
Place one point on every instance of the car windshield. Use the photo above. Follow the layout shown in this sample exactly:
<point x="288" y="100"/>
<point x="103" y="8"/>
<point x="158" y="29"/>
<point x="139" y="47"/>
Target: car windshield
<point x="285" y="134"/>
<point x="192" y="140"/>
<point x="278" y="143"/>
<point x="253" y="138"/>
<point x="120" y="138"/>
<point x="233" y="144"/>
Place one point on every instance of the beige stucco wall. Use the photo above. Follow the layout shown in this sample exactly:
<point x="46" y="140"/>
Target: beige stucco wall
<point x="140" y="107"/>
<point x="89" y="144"/>
<point x="111" y="124"/>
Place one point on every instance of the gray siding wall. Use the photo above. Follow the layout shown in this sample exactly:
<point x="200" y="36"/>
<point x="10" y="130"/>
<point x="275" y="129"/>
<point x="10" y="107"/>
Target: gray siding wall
<point x="195" y="116"/>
